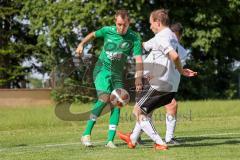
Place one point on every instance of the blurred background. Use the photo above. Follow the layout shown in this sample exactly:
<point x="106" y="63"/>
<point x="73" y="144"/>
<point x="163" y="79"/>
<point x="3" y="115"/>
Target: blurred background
<point x="39" y="37"/>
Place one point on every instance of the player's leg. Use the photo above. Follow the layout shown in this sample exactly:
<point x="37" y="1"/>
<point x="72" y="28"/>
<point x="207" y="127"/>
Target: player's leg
<point x="147" y="101"/>
<point x="143" y="123"/>
<point x="137" y="130"/>
<point x="150" y="101"/>
<point x="147" y="126"/>
<point x="102" y="85"/>
<point x="131" y="138"/>
<point x="116" y="82"/>
<point x="171" y="120"/>
<point x="139" y="140"/>
<point x="96" y="111"/>
<point x="113" y="123"/>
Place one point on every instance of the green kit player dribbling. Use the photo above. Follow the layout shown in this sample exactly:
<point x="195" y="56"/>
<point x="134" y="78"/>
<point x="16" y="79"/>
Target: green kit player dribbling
<point x="119" y="42"/>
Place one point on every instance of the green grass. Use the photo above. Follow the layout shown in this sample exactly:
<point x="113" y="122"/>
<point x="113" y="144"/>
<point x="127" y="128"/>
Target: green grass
<point x="210" y="130"/>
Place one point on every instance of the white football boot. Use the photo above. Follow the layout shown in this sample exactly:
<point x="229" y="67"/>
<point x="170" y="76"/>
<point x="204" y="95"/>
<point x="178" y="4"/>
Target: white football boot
<point x="86" y="141"/>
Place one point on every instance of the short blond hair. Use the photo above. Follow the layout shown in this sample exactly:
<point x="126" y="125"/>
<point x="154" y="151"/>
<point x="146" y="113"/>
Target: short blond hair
<point x="122" y="13"/>
<point x="161" y="15"/>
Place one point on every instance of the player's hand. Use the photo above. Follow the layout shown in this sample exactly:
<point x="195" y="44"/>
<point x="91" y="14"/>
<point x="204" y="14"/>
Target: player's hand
<point x="138" y="84"/>
<point x="149" y="77"/>
<point x="79" y="49"/>
<point x="188" y="73"/>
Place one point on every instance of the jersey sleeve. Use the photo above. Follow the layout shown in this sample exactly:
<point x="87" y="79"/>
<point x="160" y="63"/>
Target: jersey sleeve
<point x="137" y="48"/>
<point x="149" y="45"/>
<point x="165" y="45"/>
<point x="101" y="32"/>
<point x="182" y="53"/>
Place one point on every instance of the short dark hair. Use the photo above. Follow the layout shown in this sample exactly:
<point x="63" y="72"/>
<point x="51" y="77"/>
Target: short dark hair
<point x="122" y="13"/>
<point x="161" y="15"/>
<point x="177" y="27"/>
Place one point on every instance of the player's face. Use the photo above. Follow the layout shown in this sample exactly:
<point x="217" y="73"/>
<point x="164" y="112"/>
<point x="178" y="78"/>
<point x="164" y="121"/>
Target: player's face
<point x="154" y="25"/>
<point x="122" y="25"/>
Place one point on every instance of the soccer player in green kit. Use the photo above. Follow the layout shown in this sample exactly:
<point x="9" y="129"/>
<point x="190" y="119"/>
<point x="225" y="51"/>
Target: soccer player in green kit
<point x="119" y="42"/>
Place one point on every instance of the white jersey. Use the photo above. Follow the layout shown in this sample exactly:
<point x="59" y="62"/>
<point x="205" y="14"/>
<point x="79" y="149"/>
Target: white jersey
<point x="164" y="75"/>
<point x="182" y="53"/>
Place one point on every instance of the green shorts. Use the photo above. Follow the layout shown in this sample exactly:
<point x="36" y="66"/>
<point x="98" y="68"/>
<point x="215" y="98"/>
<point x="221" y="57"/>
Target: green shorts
<point x="105" y="81"/>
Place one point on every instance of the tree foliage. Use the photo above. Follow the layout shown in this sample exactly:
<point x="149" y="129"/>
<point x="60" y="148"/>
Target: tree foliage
<point x="17" y="45"/>
<point x="211" y="31"/>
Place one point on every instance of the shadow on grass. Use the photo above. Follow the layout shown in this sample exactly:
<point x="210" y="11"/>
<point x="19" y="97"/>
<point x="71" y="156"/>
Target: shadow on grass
<point x="208" y="141"/>
<point x="194" y="142"/>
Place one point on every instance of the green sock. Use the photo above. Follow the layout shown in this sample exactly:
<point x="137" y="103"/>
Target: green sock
<point x="97" y="109"/>
<point x="114" y="119"/>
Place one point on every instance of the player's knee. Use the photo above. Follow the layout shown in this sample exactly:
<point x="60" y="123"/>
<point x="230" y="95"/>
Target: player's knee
<point x="105" y="98"/>
<point x="171" y="108"/>
<point x="171" y="105"/>
<point x="174" y="103"/>
<point x="144" y="117"/>
<point x="136" y="110"/>
<point x="93" y="117"/>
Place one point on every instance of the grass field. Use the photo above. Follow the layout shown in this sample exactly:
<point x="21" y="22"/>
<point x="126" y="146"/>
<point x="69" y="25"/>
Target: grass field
<point x="209" y="130"/>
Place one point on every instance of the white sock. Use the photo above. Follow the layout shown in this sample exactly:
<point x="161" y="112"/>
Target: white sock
<point x="170" y="127"/>
<point x="135" y="133"/>
<point x="149" y="129"/>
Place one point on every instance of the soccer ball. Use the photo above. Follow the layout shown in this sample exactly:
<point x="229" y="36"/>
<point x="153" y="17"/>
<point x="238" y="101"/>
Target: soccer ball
<point x="119" y="97"/>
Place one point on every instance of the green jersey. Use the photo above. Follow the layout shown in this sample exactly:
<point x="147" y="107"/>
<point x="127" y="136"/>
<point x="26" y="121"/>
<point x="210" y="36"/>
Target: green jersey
<point x="117" y="47"/>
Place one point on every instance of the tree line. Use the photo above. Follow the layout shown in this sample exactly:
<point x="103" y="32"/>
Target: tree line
<point x="49" y="31"/>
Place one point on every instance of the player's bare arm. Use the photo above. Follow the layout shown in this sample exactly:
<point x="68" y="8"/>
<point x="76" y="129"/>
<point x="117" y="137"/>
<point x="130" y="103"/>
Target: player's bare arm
<point x="175" y="58"/>
<point x="88" y="38"/>
<point x="139" y="73"/>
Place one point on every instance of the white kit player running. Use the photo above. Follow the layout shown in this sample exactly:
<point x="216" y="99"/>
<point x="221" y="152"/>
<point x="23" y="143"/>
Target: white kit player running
<point x="162" y="69"/>
<point x="171" y="108"/>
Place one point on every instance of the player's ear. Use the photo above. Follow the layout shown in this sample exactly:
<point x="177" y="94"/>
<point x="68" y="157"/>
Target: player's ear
<point x="159" y="23"/>
<point x="129" y="20"/>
